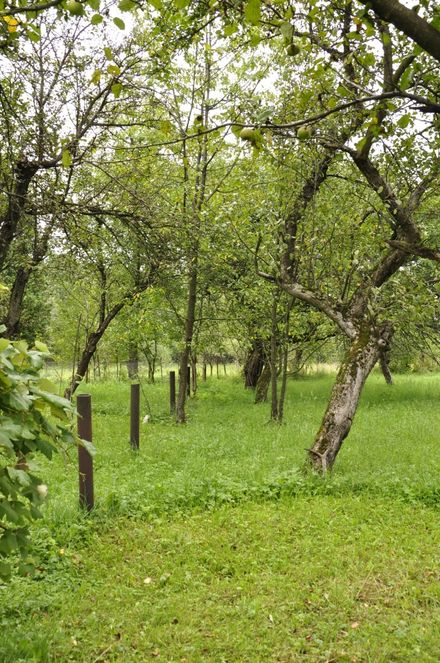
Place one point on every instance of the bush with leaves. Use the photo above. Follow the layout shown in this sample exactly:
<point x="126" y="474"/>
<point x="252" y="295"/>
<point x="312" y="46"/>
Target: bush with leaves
<point x="33" y="420"/>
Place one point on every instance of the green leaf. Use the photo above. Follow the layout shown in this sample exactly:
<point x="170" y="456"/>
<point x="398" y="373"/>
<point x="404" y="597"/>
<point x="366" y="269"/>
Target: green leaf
<point x="166" y="127"/>
<point x="404" y="121"/>
<point x="41" y="347"/>
<point x="94" y="4"/>
<point x="89" y="446"/>
<point x="20" y="476"/>
<point x="96" y="19"/>
<point x="19" y="402"/>
<point x="108" y="53"/>
<point x="10" y="513"/>
<point x="119" y="23"/>
<point x="286" y="30"/>
<point x="5" y="570"/>
<point x="96" y="76"/>
<point x="252" y="11"/>
<point x="229" y="30"/>
<point x="113" y="69"/>
<point x="406" y="79"/>
<point x="47" y="385"/>
<point x="182" y="4"/>
<point x="66" y="159"/>
<point x="4" y="343"/>
<point x="126" y="5"/>
<point x="33" y="36"/>
<point x="53" y="399"/>
<point x="116" y="90"/>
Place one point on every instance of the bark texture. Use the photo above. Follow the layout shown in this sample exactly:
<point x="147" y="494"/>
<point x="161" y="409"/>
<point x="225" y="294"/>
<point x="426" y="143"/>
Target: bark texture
<point x="12" y="320"/>
<point x="254" y="364"/>
<point x="186" y="352"/>
<point x="409" y="23"/>
<point x="363" y="353"/>
<point x="263" y="384"/>
<point x="23" y="173"/>
<point x="385" y="368"/>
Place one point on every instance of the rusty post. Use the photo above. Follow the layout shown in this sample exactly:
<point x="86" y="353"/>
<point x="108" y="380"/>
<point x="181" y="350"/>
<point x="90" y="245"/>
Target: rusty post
<point x="134" y="416"/>
<point x="172" y="392"/>
<point x="188" y="380"/>
<point x="85" y="461"/>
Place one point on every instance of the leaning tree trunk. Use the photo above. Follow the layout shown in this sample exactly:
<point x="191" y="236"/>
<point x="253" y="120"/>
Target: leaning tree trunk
<point x="362" y="355"/>
<point x="89" y="349"/>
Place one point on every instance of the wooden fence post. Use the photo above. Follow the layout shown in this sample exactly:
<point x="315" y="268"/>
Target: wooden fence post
<point x="85" y="461"/>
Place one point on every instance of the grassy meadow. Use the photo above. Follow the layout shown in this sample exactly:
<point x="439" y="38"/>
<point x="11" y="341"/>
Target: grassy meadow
<point x="210" y="544"/>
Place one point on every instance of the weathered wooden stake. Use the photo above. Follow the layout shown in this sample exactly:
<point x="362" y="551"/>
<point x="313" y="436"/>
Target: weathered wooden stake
<point x="172" y="392"/>
<point x="134" y="416"/>
<point x="85" y="461"/>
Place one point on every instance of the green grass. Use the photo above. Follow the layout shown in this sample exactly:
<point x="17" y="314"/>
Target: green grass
<point x="211" y="545"/>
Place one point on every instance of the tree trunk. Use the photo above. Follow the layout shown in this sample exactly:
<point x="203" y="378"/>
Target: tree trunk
<point x="13" y="316"/>
<point x="407" y="20"/>
<point x="263" y="384"/>
<point x="385" y="368"/>
<point x="282" y="398"/>
<point x="89" y="349"/>
<point x="185" y="354"/>
<point x="193" y="373"/>
<point x="23" y="174"/>
<point x="359" y="361"/>
<point x="204" y="371"/>
<point x="254" y="364"/>
<point x="273" y="361"/>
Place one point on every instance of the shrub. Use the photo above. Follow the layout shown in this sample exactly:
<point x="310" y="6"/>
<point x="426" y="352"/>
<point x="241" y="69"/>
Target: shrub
<point x="33" y="420"/>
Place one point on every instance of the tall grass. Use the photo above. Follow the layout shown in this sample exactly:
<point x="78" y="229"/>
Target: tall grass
<point x="210" y="544"/>
<point x="229" y="451"/>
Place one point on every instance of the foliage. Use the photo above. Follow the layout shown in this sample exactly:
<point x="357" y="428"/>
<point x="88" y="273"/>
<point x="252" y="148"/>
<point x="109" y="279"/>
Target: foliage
<point x="34" y="420"/>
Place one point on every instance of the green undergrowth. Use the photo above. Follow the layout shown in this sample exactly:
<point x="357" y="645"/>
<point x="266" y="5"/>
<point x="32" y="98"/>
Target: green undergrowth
<point x="228" y="452"/>
<point x="305" y="579"/>
<point x="305" y="544"/>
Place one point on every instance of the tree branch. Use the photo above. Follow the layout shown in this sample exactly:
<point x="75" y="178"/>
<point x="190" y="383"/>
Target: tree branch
<point x="416" y="250"/>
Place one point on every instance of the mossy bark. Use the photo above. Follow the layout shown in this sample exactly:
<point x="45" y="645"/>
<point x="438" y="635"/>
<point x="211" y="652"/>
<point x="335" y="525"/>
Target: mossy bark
<point x="263" y="384"/>
<point x="361" y="356"/>
<point x="254" y="364"/>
